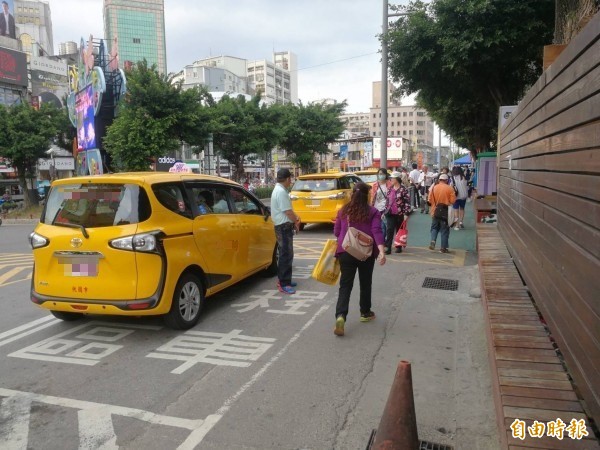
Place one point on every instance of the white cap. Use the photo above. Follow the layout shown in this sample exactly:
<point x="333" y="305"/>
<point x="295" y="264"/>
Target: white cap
<point x="443" y="176"/>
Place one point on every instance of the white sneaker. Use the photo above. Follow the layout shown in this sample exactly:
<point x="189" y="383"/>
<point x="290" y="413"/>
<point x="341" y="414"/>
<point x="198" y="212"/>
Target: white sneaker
<point x="456" y="228"/>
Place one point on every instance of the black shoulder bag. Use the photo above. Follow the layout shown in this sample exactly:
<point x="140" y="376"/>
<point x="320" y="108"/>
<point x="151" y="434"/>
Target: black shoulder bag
<point x="441" y="210"/>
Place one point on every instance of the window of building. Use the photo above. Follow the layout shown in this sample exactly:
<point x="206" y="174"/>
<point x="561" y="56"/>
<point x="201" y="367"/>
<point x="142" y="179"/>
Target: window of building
<point x="137" y="41"/>
<point x="410" y="122"/>
<point x="373" y="124"/>
<point x="421" y="113"/>
<point x="380" y="115"/>
<point x="374" y="132"/>
<point x="404" y="123"/>
<point x="410" y="114"/>
<point x="420" y="132"/>
<point x="374" y="115"/>
<point x="410" y="132"/>
<point x="392" y="114"/>
<point x="420" y="123"/>
<point x="404" y="133"/>
<point x="404" y="114"/>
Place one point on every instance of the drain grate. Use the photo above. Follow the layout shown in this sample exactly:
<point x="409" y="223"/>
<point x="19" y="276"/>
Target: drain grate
<point x="440" y="283"/>
<point x="424" y="445"/>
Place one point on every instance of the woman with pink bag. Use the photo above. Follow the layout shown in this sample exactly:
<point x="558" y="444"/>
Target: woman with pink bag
<point x="399" y="207"/>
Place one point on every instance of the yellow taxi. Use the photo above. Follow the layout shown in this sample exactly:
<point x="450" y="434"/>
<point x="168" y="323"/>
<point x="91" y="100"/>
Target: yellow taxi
<point x="317" y="197"/>
<point x="140" y="244"/>
<point x="368" y="176"/>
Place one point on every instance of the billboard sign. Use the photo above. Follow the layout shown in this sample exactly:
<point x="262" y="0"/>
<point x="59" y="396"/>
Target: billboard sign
<point x="7" y="19"/>
<point x="394" y="148"/>
<point x="13" y="67"/>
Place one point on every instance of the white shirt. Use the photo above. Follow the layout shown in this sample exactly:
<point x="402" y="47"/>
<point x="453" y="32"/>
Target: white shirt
<point x="414" y="176"/>
<point x="380" y="197"/>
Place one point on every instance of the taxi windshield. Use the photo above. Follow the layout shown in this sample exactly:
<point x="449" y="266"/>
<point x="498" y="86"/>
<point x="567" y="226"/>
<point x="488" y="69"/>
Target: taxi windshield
<point x="316" y="185"/>
<point x="96" y="205"/>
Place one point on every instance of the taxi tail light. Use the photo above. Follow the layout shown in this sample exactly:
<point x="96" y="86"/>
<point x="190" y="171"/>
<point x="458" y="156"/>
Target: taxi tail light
<point x="79" y="307"/>
<point x="143" y="242"/>
<point x="139" y="306"/>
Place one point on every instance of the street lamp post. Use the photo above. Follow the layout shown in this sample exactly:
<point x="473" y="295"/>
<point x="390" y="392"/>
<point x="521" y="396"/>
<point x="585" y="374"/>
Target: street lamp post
<point x="384" y="82"/>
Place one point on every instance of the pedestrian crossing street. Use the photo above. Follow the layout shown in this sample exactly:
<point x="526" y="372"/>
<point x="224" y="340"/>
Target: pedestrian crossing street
<point x="15" y="268"/>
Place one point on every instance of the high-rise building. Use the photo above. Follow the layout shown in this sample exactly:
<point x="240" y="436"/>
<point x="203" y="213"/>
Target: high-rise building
<point x="276" y="81"/>
<point x="139" y="26"/>
<point x="34" y="27"/>
<point x="408" y="122"/>
<point x="67" y="48"/>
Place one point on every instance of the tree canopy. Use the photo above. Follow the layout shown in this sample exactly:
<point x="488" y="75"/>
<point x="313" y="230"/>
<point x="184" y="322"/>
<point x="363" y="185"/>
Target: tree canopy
<point x="27" y="133"/>
<point x="308" y="129"/>
<point x="155" y="116"/>
<point x="466" y="58"/>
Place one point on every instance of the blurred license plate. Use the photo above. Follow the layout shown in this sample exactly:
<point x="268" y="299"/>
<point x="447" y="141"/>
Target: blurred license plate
<point x="313" y="202"/>
<point x="81" y="266"/>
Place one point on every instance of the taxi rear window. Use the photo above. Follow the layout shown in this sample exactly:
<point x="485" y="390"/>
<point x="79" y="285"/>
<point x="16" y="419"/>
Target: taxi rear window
<point x="96" y="205"/>
<point x="316" y="185"/>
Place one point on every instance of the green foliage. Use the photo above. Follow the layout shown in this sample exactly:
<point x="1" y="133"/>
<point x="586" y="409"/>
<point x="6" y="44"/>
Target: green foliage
<point x="466" y="58"/>
<point x="155" y="116"/>
<point x="308" y="129"/>
<point x="263" y="192"/>
<point x="25" y="135"/>
<point x="243" y="127"/>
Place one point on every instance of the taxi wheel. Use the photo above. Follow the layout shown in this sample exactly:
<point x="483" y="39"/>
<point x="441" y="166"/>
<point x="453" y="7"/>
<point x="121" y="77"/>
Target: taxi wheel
<point x="67" y="316"/>
<point x="301" y="227"/>
<point x="187" y="303"/>
<point x="271" y="271"/>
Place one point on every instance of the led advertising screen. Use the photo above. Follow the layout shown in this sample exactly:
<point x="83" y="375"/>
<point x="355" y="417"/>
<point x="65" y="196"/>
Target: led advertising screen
<point x="84" y="107"/>
<point x="13" y="67"/>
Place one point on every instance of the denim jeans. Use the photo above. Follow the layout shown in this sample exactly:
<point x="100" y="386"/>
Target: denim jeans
<point x="348" y="266"/>
<point x="285" y="240"/>
<point x="441" y="226"/>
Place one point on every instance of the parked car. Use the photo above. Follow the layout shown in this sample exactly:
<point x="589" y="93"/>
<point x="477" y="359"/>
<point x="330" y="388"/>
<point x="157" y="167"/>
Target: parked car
<point x="318" y="197"/>
<point x="139" y="244"/>
<point x="368" y="176"/>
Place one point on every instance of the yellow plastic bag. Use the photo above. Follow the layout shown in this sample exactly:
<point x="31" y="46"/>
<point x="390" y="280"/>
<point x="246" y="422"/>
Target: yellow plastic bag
<point x="327" y="269"/>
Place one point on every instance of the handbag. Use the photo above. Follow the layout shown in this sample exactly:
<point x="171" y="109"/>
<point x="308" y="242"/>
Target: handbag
<point x="441" y="210"/>
<point x="357" y="243"/>
<point x="401" y="238"/>
<point x="327" y="268"/>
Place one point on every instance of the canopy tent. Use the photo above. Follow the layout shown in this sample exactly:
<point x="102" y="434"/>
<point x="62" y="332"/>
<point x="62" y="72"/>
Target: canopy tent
<point x="463" y="161"/>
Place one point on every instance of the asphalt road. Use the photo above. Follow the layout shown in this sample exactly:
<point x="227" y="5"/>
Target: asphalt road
<point x="260" y="370"/>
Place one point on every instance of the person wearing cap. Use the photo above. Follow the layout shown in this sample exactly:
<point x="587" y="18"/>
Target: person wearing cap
<point x="286" y="222"/>
<point x="398" y="207"/>
<point x="443" y="194"/>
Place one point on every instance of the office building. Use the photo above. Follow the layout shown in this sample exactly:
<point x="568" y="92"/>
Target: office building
<point x="34" y="27"/>
<point x="139" y="26"/>
<point x="67" y="48"/>
<point x="356" y="124"/>
<point x="276" y="81"/>
<point x="408" y="122"/>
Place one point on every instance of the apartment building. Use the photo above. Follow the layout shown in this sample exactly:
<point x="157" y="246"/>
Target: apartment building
<point x="408" y="122"/>
<point x="357" y="124"/>
<point x="34" y="27"/>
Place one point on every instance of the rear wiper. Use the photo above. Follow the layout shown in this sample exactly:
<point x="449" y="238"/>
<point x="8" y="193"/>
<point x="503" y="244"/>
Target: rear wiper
<point x="73" y="225"/>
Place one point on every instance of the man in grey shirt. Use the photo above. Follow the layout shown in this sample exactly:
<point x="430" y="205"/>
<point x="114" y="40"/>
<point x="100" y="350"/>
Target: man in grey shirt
<point x="286" y="221"/>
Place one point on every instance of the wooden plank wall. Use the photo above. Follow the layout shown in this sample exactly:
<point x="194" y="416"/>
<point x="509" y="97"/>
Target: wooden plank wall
<point x="549" y="203"/>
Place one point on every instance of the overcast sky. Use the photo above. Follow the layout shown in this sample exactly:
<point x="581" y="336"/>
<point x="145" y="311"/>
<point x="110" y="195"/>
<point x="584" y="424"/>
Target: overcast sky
<point x="335" y="40"/>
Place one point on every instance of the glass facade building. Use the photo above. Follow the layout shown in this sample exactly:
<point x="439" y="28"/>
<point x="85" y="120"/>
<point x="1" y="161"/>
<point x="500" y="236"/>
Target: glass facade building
<point x="139" y="26"/>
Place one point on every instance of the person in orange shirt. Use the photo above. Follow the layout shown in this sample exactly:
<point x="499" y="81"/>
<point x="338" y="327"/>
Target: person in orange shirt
<point x="440" y="194"/>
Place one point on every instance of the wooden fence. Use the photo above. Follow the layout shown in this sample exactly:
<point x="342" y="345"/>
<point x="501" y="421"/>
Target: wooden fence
<point x="549" y="203"/>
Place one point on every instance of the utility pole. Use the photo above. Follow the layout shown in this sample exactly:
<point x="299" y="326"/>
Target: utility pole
<point x="439" y="152"/>
<point x="384" y="86"/>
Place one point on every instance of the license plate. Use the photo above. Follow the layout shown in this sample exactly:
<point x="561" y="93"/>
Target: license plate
<point x="80" y="266"/>
<point x="313" y="202"/>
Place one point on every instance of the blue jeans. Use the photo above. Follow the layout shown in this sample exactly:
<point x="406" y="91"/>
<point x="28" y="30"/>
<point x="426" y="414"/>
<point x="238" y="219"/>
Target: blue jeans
<point x="285" y="240"/>
<point x="441" y="226"/>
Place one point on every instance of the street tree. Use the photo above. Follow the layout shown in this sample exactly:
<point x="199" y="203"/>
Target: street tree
<point x="26" y="134"/>
<point x="308" y="129"/>
<point x="466" y="58"/>
<point x="155" y="116"/>
<point x="242" y="128"/>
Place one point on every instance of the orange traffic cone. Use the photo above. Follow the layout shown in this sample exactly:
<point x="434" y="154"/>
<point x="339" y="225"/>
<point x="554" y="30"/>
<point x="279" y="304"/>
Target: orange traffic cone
<point x="398" y="426"/>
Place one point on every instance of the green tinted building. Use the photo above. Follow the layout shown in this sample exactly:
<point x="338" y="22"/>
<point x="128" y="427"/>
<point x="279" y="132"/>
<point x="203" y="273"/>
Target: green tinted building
<point x="139" y="26"/>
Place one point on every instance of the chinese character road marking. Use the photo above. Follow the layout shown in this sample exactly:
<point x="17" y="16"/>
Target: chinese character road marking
<point x="95" y="421"/>
<point x="25" y="330"/>
<point x="293" y="303"/>
<point x="303" y="272"/>
<point x="88" y="354"/>
<point x="221" y="349"/>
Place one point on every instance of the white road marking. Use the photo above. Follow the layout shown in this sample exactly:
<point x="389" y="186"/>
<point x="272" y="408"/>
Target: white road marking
<point x="231" y="400"/>
<point x="96" y="418"/>
<point x="11" y="273"/>
<point x="293" y="303"/>
<point x="12" y="335"/>
<point x="88" y="354"/>
<point x="220" y="349"/>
